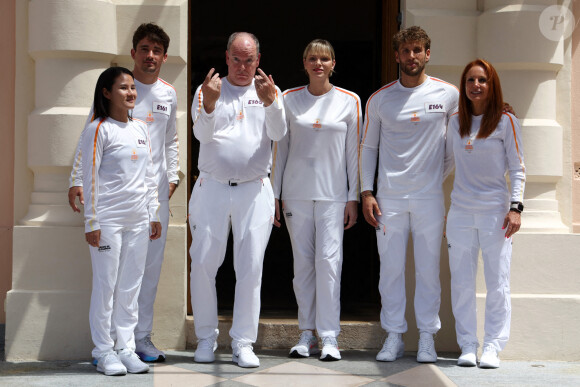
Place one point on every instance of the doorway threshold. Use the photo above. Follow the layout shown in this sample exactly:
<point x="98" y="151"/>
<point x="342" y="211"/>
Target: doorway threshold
<point x="279" y="330"/>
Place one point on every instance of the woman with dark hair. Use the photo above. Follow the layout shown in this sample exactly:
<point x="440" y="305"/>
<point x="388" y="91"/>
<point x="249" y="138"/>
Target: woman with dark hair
<point x="316" y="171"/>
<point x="483" y="143"/>
<point x="120" y="217"/>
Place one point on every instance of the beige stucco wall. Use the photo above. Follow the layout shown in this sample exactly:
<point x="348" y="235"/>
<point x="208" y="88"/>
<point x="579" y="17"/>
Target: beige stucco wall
<point x="575" y="102"/>
<point x="62" y="47"/>
<point x="7" y="26"/>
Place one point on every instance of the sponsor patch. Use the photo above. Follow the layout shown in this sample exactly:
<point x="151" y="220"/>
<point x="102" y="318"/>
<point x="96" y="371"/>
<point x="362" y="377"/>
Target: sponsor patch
<point x="104" y="249"/>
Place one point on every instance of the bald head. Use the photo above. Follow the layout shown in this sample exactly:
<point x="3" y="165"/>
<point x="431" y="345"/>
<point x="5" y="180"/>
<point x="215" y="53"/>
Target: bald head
<point x="242" y="58"/>
<point x="245" y="36"/>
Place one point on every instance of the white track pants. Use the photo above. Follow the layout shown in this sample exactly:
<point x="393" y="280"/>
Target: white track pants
<point x="424" y="218"/>
<point x="466" y="234"/>
<point x="316" y="230"/>
<point x="151" y="275"/>
<point x="248" y="209"/>
<point x="118" y="265"/>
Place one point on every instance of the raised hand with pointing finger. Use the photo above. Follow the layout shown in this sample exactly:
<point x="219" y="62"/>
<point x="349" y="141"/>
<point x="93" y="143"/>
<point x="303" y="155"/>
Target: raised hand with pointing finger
<point x="211" y="89"/>
<point x="265" y="87"/>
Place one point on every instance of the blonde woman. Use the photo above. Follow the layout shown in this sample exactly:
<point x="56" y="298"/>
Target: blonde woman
<point x="316" y="175"/>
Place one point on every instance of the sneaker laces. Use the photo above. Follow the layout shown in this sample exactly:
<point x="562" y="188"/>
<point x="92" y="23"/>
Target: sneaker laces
<point x="106" y="356"/>
<point x="146" y="341"/>
<point x="329" y="340"/>
<point x="244" y="347"/>
<point x="490" y="348"/>
<point x="390" y="343"/>
<point x="426" y="344"/>
<point x="305" y="338"/>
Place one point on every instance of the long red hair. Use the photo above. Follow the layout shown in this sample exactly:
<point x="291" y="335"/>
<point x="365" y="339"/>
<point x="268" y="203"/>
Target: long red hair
<point x="493" y="109"/>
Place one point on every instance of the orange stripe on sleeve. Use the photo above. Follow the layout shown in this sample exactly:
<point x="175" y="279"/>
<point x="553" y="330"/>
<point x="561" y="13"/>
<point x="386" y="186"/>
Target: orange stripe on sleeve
<point x="358" y="148"/>
<point x="293" y="90"/>
<point x="442" y="81"/>
<point x="515" y="139"/>
<point x="367" y="110"/>
<point x="274" y="153"/>
<point x="93" y="174"/>
<point x="168" y="84"/>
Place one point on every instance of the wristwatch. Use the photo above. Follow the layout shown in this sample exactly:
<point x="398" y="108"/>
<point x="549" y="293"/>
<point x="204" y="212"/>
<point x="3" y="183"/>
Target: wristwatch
<point x="517" y="207"/>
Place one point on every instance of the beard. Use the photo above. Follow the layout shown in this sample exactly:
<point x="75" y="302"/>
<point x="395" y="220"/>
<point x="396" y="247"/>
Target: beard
<point x="413" y="72"/>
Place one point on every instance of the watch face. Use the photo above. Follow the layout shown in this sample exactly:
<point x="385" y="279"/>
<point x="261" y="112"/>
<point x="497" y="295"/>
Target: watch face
<point x="517" y="206"/>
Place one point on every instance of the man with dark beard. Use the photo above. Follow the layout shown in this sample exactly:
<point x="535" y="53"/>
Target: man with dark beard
<point x="405" y="125"/>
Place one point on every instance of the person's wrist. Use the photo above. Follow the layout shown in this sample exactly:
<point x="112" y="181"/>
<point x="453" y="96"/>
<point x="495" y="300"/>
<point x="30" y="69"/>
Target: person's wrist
<point x="517" y="207"/>
<point x="365" y="194"/>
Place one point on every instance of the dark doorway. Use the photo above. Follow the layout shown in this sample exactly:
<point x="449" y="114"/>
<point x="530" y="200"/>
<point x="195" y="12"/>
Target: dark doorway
<point x="363" y="65"/>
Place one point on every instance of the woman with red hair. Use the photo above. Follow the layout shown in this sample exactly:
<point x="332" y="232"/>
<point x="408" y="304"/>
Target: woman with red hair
<point x="483" y="143"/>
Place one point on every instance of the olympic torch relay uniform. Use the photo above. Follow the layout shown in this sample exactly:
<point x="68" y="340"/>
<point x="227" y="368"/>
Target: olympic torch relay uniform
<point x="479" y="203"/>
<point x="156" y="105"/>
<point x="316" y="169"/>
<point x="405" y="128"/>
<point x="120" y="200"/>
<point x="233" y="191"/>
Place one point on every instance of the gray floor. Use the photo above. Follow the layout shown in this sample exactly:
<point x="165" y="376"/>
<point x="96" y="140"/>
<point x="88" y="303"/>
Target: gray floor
<point x="359" y="363"/>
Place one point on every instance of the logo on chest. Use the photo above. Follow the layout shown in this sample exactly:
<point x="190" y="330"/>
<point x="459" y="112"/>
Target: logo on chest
<point x="469" y="146"/>
<point x="150" y="118"/>
<point x="415" y="118"/>
<point x="134" y="156"/>
<point x="317" y="124"/>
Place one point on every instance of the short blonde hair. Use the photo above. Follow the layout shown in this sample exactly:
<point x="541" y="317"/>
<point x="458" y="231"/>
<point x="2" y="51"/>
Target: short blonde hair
<point x="319" y="46"/>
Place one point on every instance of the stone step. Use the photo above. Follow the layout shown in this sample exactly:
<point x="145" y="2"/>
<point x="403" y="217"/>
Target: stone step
<point x="282" y="333"/>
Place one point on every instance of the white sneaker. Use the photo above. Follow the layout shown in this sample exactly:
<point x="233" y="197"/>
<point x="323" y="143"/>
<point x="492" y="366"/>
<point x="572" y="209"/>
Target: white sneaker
<point x="307" y="345"/>
<point x="468" y="356"/>
<point x="110" y="364"/>
<point x="132" y="362"/>
<point x="206" y="348"/>
<point x="243" y="354"/>
<point x="426" y="352"/>
<point x="393" y="348"/>
<point x="489" y="357"/>
<point x="330" y="350"/>
<point x="147" y="350"/>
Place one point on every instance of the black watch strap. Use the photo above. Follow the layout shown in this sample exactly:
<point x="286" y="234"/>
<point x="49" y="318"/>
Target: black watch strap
<point x="517" y="207"/>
